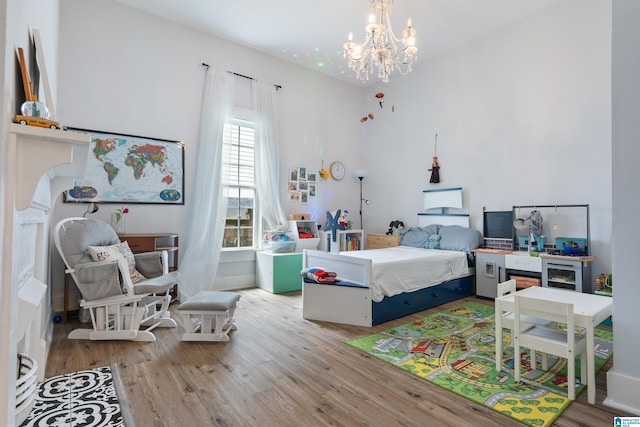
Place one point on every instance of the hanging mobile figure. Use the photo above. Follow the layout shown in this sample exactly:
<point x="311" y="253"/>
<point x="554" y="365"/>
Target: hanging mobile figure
<point x="435" y="166"/>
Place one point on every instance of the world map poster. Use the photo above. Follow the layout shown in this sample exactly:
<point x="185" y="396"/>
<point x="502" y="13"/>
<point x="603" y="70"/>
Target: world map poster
<point x="130" y="169"/>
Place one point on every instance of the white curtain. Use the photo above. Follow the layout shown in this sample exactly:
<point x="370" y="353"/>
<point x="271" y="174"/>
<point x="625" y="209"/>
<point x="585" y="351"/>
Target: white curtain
<point x="207" y="207"/>
<point x="267" y="160"/>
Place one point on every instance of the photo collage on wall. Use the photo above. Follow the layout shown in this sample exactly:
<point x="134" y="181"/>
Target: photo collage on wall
<point x="302" y="184"/>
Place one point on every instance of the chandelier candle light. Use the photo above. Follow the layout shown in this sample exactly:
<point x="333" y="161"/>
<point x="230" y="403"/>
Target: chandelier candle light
<point x="379" y="48"/>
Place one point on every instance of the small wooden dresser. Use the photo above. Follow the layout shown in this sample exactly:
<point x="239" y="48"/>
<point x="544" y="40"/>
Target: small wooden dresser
<point x="377" y="241"/>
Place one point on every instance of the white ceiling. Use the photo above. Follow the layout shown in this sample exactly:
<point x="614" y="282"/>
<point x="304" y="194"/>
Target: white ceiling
<point x="311" y="33"/>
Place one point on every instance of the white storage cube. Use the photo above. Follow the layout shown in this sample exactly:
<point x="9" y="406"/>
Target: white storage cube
<point x="304" y="226"/>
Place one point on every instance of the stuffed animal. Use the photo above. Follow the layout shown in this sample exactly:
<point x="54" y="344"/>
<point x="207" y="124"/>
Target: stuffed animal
<point x="433" y="242"/>
<point x="395" y="227"/>
<point x="336" y="220"/>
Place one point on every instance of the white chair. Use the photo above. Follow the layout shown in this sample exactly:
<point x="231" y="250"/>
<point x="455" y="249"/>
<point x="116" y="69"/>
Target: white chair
<point x="120" y="309"/>
<point x="566" y="344"/>
<point x="527" y="322"/>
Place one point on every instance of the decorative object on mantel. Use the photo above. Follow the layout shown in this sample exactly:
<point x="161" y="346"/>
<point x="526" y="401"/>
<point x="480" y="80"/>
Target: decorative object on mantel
<point x="33" y="112"/>
<point x="379" y="48"/>
<point x="435" y="166"/>
<point x="31" y="107"/>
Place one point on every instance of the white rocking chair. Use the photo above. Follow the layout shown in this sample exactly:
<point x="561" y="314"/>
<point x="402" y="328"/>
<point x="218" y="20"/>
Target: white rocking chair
<point x="119" y="309"/>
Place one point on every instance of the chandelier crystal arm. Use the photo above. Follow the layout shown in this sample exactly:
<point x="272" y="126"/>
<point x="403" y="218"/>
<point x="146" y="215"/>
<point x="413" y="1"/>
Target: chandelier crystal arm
<point x="380" y="47"/>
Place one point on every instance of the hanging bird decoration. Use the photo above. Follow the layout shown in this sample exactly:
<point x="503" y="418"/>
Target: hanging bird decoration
<point x="435" y="166"/>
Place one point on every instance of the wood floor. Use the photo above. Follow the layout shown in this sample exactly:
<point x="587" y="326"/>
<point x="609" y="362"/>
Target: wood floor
<point x="282" y="370"/>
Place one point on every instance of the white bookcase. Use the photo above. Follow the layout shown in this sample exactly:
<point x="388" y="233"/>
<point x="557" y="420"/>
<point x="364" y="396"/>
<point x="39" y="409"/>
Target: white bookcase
<point x="347" y="240"/>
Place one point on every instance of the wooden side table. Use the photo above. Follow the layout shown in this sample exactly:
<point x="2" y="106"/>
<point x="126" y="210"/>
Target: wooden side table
<point x="151" y="242"/>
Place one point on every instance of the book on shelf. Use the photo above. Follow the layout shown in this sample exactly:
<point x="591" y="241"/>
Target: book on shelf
<point x="352" y="243"/>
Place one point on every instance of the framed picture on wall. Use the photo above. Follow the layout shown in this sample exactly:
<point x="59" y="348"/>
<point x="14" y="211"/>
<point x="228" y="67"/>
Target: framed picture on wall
<point x="302" y="173"/>
<point x="293" y="174"/>
<point x="294" y="196"/>
<point x="311" y="176"/>
<point x="130" y="169"/>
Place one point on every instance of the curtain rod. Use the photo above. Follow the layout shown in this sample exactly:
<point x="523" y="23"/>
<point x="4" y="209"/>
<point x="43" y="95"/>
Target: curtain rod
<point x="242" y="75"/>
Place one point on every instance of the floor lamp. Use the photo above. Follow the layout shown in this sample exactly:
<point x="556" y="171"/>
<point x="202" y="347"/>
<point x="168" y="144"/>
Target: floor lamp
<point x="361" y="175"/>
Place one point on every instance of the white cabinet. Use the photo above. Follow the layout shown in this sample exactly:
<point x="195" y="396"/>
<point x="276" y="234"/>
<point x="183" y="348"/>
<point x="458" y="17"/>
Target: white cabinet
<point x="279" y="272"/>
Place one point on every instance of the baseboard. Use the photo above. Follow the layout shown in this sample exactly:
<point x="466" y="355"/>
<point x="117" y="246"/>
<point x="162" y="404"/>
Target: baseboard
<point x="622" y="392"/>
<point x="234" y="282"/>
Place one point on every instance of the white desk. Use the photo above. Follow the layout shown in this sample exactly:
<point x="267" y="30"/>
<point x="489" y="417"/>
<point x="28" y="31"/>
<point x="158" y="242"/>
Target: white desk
<point x="589" y="311"/>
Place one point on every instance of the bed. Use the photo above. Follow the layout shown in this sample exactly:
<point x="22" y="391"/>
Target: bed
<point x="432" y="266"/>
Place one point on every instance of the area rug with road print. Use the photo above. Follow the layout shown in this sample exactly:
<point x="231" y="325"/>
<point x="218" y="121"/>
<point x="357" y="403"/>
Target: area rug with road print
<point x="454" y="349"/>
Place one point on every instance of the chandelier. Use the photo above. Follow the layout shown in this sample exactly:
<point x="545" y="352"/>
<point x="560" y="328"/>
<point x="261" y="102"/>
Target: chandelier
<point x="379" y="48"/>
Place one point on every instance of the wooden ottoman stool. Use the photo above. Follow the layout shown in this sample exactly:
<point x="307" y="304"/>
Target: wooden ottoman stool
<point x="208" y="316"/>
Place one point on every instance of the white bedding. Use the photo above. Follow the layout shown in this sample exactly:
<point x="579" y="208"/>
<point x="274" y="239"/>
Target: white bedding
<point x="406" y="269"/>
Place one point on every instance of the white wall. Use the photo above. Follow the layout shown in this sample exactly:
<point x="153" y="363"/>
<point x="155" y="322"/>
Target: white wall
<point x="17" y="18"/>
<point x="623" y="380"/>
<point x="522" y="116"/>
<point x="126" y="71"/>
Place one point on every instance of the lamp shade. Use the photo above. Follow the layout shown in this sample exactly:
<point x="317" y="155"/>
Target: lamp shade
<point x="360" y="174"/>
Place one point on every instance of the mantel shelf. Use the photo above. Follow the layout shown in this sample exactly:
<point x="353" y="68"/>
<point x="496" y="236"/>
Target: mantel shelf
<point x="54" y="135"/>
<point x="37" y="150"/>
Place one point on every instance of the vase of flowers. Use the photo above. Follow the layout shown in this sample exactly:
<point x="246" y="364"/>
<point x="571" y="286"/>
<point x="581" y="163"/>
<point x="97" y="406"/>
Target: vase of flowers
<point x="118" y="220"/>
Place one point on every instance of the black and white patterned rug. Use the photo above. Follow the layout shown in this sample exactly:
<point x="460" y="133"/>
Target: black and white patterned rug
<point x="84" y="398"/>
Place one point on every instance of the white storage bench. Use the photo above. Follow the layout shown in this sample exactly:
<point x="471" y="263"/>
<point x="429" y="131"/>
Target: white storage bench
<point x="208" y="316"/>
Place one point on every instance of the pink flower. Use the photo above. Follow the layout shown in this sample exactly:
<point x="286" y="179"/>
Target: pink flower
<point x="120" y="212"/>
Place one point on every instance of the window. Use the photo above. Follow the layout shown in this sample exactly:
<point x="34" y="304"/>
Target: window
<point x="238" y="176"/>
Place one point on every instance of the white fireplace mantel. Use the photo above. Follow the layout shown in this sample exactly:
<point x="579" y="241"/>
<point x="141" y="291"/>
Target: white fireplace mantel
<point x="35" y="156"/>
<point x="40" y="149"/>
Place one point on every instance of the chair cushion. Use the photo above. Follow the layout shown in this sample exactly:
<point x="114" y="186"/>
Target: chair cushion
<point x="158" y="284"/>
<point x="210" y="301"/>
<point x="76" y="234"/>
<point x="114" y="252"/>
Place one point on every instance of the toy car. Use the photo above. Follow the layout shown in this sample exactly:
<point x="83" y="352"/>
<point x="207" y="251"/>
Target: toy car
<point x="37" y="121"/>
